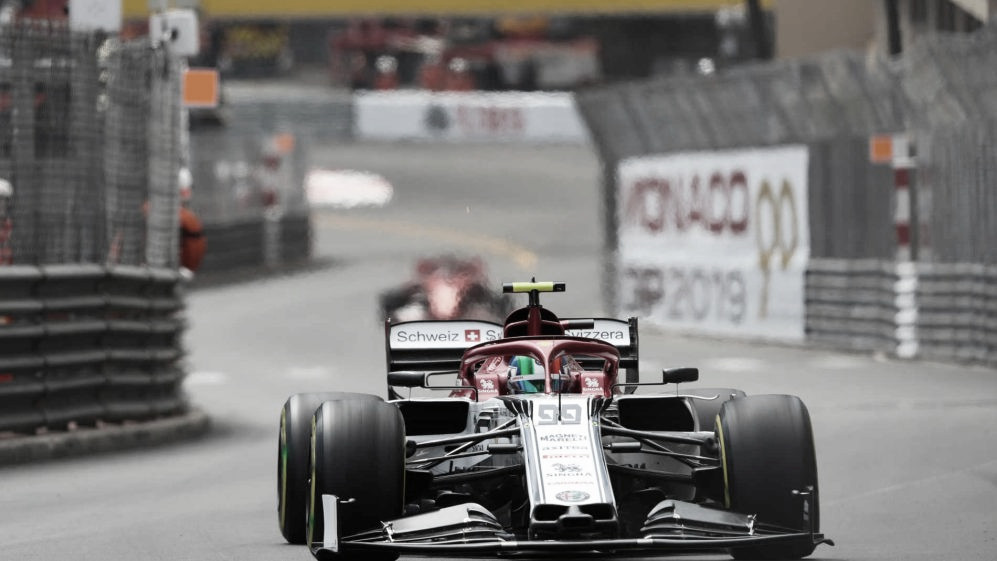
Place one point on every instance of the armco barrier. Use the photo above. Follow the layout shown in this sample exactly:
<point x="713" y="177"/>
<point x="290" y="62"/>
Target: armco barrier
<point x="295" y="238"/>
<point x="852" y="304"/>
<point x="233" y="245"/>
<point x="87" y="343"/>
<point x="957" y="312"/>
<point x="266" y="241"/>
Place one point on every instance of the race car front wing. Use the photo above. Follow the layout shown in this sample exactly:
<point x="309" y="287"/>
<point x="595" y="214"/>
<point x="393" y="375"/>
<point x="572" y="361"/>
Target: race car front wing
<point x="470" y="529"/>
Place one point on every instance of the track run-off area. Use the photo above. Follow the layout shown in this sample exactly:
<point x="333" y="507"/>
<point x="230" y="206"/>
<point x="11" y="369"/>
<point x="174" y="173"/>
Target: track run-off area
<point x="907" y="451"/>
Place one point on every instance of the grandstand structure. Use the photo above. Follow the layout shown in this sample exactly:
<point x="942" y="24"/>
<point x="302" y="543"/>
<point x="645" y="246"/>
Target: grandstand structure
<point x="532" y="44"/>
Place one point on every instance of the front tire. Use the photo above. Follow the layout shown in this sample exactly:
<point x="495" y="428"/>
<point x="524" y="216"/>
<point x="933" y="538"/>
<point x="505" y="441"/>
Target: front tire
<point x="707" y="409"/>
<point x="292" y="459"/>
<point x="357" y="454"/>
<point x="768" y="456"/>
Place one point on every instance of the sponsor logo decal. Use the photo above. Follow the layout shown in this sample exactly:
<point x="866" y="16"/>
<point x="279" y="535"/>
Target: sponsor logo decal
<point x="452" y="337"/>
<point x="591" y="383"/>
<point x="572" y="496"/>
<point x="565" y="456"/>
<point x="563" y="437"/>
<point x="437" y="119"/>
<point x="616" y="335"/>
<point x="424" y="337"/>
<point x="548" y="413"/>
<point x="487" y="385"/>
<point x="567" y="468"/>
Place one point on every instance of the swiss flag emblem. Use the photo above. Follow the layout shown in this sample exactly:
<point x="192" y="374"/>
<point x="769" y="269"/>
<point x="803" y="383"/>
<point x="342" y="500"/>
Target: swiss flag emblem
<point x="472" y="335"/>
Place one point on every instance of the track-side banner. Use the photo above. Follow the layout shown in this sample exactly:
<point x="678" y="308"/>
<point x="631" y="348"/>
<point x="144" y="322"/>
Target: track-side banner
<point x="716" y="242"/>
<point x="468" y="116"/>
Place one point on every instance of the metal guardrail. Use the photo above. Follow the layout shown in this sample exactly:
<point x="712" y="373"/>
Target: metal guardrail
<point x="957" y="312"/>
<point x="948" y="311"/>
<point x="851" y="303"/>
<point x="257" y="242"/>
<point x="82" y="344"/>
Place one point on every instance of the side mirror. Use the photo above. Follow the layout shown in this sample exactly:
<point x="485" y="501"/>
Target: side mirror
<point x="679" y="375"/>
<point x="407" y="378"/>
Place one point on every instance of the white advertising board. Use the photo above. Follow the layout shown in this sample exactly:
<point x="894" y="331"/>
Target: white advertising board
<point x="89" y="15"/>
<point x="468" y="116"/>
<point x="458" y="334"/>
<point x="716" y="242"/>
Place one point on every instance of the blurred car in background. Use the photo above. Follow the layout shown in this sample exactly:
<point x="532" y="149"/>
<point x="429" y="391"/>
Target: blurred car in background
<point x="445" y="287"/>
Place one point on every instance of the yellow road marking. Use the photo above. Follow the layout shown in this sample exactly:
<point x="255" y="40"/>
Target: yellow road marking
<point x="520" y="255"/>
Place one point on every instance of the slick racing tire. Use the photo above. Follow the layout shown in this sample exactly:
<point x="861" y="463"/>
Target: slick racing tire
<point x="770" y="469"/>
<point x="292" y="459"/>
<point x="706" y="410"/>
<point x="357" y="454"/>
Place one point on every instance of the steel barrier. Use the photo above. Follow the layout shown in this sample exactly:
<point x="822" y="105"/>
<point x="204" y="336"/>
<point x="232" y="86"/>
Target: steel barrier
<point x="83" y="343"/>
<point x="851" y="303"/>
<point x="957" y="312"/>
<point x="268" y="241"/>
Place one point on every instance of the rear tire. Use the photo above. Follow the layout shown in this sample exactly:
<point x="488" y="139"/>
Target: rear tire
<point x="767" y="451"/>
<point x="358" y="453"/>
<point x="292" y="459"/>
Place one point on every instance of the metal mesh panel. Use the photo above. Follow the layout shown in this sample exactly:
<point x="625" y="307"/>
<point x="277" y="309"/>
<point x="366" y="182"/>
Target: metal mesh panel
<point x="951" y="87"/>
<point x="126" y="152"/>
<point x="253" y="157"/>
<point x="958" y="182"/>
<point x="162" y="241"/>
<point x="50" y="142"/>
<point x="82" y="143"/>
<point x="239" y="175"/>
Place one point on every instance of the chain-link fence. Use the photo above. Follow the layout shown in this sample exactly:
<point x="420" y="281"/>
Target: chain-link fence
<point x="88" y="134"/>
<point x="832" y="103"/>
<point x="90" y="305"/>
<point x="253" y="156"/>
<point x="951" y="89"/>
<point x="942" y="94"/>
<point x="834" y="95"/>
<point x="239" y="175"/>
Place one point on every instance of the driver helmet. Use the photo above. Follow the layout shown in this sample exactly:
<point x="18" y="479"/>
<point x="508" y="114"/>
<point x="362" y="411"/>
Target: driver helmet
<point x="526" y="375"/>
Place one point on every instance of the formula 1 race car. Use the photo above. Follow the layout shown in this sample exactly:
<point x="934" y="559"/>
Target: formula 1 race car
<point x="537" y="449"/>
<point x="445" y="287"/>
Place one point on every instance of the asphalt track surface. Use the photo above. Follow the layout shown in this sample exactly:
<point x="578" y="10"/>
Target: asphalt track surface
<point x="906" y="450"/>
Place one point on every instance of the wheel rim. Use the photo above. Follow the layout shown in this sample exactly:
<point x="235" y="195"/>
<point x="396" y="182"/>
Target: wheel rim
<point x="723" y="462"/>
<point x="311" y="494"/>
<point x="282" y="466"/>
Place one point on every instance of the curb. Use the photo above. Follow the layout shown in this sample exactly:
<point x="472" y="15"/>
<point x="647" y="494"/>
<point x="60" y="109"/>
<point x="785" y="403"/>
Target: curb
<point x="88" y="441"/>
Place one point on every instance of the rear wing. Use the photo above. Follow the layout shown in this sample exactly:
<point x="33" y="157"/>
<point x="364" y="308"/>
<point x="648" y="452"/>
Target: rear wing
<point x="434" y="344"/>
<point x="440" y="344"/>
